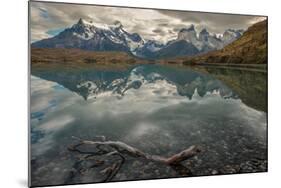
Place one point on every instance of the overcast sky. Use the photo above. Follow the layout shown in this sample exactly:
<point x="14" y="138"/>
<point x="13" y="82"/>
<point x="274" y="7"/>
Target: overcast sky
<point x="47" y="19"/>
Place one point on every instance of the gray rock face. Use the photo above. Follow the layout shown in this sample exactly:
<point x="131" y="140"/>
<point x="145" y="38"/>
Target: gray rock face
<point x="231" y="35"/>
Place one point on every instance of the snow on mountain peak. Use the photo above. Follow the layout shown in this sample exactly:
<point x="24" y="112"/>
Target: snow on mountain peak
<point x="153" y="45"/>
<point x="230" y="35"/>
<point x="118" y="24"/>
<point x="83" y="22"/>
<point x="190" y="35"/>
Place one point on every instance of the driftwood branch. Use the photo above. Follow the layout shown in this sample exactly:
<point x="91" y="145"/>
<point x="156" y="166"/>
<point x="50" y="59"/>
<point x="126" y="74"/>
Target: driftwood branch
<point x="117" y="148"/>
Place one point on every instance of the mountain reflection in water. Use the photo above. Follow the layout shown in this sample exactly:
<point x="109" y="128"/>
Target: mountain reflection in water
<point x="91" y="83"/>
<point x="158" y="109"/>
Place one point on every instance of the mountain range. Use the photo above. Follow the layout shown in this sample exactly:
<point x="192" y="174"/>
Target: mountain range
<point x="89" y="36"/>
<point x="251" y="48"/>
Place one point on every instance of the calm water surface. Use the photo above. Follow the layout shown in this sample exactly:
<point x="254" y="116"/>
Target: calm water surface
<point x="158" y="109"/>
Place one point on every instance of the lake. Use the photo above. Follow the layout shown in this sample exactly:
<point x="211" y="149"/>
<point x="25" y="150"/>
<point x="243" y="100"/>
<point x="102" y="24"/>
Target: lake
<point x="158" y="109"/>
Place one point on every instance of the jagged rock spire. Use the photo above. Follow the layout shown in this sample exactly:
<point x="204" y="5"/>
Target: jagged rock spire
<point x="191" y="28"/>
<point x="80" y="21"/>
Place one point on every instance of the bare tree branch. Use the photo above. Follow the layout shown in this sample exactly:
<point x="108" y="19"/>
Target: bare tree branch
<point x="117" y="148"/>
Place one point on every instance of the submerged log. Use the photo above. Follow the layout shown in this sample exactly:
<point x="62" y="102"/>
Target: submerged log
<point x="117" y="148"/>
<point x="124" y="148"/>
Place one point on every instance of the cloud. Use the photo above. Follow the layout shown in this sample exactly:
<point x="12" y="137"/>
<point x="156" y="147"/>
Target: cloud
<point x="150" y="24"/>
<point x="54" y="31"/>
<point x="214" y="22"/>
<point x="57" y="123"/>
<point x="46" y="94"/>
